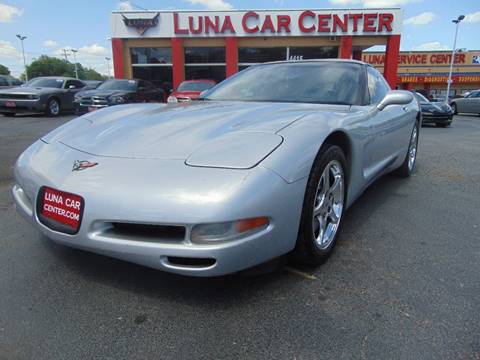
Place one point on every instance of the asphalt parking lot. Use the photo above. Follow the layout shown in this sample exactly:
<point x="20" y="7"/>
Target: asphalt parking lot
<point x="403" y="283"/>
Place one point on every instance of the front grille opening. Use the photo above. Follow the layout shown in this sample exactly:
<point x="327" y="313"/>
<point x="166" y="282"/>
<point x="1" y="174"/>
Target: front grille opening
<point x="147" y="232"/>
<point x="191" y="262"/>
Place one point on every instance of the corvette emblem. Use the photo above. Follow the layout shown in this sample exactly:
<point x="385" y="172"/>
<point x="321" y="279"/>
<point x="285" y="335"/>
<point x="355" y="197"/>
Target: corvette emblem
<point x="82" y="165"/>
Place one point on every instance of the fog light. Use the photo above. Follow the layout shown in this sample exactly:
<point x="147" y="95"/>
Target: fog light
<point x="228" y="231"/>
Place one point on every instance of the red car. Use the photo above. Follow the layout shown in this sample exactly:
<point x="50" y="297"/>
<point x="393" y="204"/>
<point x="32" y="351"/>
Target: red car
<point x="190" y="90"/>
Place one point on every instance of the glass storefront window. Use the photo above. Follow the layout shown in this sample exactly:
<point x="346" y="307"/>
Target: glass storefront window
<point x="204" y="55"/>
<point x="196" y="72"/>
<point x="161" y="76"/>
<point x="151" y="55"/>
<point x="306" y="53"/>
<point x="251" y="55"/>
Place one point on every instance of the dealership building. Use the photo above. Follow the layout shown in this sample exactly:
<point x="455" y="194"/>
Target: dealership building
<point x="167" y="47"/>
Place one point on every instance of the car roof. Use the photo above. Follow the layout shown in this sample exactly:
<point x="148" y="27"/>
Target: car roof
<point x="200" y="80"/>
<point x="317" y="61"/>
<point x="56" y="77"/>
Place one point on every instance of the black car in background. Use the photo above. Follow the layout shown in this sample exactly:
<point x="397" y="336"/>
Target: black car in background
<point x="7" y="81"/>
<point x="115" y="92"/>
<point x="435" y="112"/>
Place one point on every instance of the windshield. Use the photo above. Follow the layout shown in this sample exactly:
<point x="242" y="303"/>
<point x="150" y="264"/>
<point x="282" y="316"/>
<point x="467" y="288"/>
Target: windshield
<point x="420" y="97"/>
<point x="315" y="82"/>
<point x="127" y="85"/>
<point x="195" y="86"/>
<point x="46" y="82"/>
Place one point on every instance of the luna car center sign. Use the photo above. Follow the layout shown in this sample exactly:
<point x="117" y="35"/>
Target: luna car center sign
<point x="263" y="23"/>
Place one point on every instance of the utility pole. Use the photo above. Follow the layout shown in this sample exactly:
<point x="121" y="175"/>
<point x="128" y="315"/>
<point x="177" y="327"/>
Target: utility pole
<point x="452" y="60"/>
<point x="65" y="54"/>
<point x="108" y="65"/>
<point x="23" y="53"/>
<point x="75" y="61"/>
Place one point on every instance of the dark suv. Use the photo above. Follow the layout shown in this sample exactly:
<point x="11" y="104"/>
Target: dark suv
<point x="115" y="92"/>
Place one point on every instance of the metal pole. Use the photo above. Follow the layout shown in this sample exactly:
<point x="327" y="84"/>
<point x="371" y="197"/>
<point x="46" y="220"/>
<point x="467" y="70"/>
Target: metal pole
<point x="75" y="61"/>
<point x="108" y="66"/>
<point x="24" y="62"/>
<point x="452" y="60"/>
<point x="23" y="54"/>
<point x="65" y="54"/>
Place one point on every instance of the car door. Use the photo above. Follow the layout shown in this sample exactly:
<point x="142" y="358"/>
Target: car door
<point x="389" y="128"/>
<point x="71" y="87"/>
<point x="474" y="102"/>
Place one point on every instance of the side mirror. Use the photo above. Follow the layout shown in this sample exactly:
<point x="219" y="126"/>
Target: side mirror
<point x="71" y="87"/>
<point x="395" y="97"/>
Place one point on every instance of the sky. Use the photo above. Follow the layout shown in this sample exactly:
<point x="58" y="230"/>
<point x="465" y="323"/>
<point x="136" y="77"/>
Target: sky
<point x="52" y="25"/>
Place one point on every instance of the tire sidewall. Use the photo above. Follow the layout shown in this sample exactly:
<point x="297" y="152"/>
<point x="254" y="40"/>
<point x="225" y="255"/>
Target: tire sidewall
<point x="48" y="112"/>
<point x="306" y="239"/>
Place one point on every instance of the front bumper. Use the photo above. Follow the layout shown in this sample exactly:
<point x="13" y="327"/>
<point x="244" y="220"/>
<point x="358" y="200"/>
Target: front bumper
<point x="437" y="117"/>
<point x="83" y="108"/>
<point x="22" y="106"/>
<point x="168" y="193"/>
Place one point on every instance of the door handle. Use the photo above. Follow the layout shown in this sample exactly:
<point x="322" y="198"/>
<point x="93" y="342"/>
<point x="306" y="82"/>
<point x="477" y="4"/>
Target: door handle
<point x="405" y="108"/>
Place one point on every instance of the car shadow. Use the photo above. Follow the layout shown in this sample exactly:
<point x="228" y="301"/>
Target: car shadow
<point x="225" y="289"/>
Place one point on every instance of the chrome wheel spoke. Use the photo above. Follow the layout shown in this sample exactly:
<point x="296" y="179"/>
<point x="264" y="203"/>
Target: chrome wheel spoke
<point x="328" y="205"/>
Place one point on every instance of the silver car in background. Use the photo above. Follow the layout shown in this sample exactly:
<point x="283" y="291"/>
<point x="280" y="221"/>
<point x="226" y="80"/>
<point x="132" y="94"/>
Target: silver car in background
<point x="264" y="164"/>
<point x="468" y="104"/>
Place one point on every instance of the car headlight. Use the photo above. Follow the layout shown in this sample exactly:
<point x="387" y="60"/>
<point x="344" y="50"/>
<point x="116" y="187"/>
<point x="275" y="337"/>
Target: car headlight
<point x="77" y="98"/>
<point x="117" y="99"/>
<point x="33" y="97"/>
<point x="172" y="99"/>
<point x="227" y="231"/>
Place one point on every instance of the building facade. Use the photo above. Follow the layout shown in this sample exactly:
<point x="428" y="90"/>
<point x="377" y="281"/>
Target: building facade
<point x="167" y="47"/>
<point x="428" y="70"/>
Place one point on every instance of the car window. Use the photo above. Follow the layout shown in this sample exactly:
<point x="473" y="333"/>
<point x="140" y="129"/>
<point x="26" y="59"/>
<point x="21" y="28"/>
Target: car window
<point x="377" y="86"/>
<point x="474" y="94"/>
<point x="195" y="86"/>
<point x="46" y="82"/>
<point x="420" y="97"/>
<point x="77" y="84"/>
<point x="319" y="82"/>
<point x="3" y="81"/>
<point x="15" y="82"/>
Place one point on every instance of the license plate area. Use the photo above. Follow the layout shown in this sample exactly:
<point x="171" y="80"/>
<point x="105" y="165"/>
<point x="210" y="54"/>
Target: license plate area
<point x="10" y="104"/>
<point x="59" y="210"/>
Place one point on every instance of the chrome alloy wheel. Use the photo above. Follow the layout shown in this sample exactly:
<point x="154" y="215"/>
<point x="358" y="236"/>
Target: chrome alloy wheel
<point x="412" y="150"/>
<point x="54" y="107"/>
<point x="328" y="206"/>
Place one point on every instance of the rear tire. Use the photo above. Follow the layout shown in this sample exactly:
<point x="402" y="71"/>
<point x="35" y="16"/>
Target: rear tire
<point x="454" y="108"/>
<point x="408" y="166"/>
<point x="323" y="207"/>
<point x="8" y="114"/>
<point x="53" y="107"/>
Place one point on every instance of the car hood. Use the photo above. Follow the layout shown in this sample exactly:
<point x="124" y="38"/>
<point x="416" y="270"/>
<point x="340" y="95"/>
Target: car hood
<point x="21" y="90"/>
<point x="180" y="131"/>
<point x="104" y="93"/>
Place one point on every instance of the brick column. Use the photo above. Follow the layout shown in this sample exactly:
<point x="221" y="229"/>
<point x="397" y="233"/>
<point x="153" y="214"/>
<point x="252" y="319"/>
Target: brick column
<point x="231" y="56"/>
<point x="391" y="60"/>
<point x="117" y="55"/>
<point x="178" y="62"/>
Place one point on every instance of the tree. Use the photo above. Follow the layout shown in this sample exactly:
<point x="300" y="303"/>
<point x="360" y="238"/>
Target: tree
<point x="4" y="70"/>
<point x="51" y="66"/>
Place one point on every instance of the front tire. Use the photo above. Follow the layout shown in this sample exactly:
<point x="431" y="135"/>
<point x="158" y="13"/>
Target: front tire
<point x="323" y="207"/>
<point x="53" y="107"/>
<point x="408" y="165"/>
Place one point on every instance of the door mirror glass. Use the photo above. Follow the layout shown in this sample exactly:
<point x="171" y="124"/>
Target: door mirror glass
<point x="395" y="97"/>
<point x="71" y="87"/>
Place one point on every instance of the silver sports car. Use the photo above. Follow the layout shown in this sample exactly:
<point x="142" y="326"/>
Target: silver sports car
<point x="264" y="164"/>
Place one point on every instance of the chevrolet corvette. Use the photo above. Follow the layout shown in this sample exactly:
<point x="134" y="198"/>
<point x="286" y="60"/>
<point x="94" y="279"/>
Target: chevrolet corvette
<point x="265" y="164"/>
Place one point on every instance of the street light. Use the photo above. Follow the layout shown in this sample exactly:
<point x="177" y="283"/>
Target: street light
<point x="75" y="61"/>
<point x="108" y="65"/>
<point x="452" y="60"/>
<point x="23" y="53"/>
